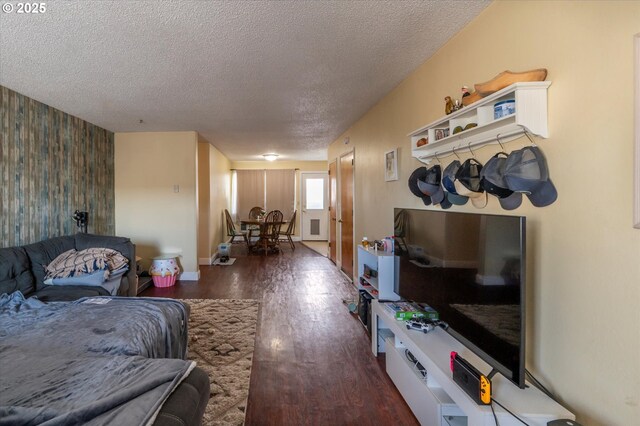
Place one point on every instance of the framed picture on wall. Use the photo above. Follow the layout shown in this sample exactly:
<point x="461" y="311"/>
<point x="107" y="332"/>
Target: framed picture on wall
<point x="391" y="165"/>
<point x="636" y="166"/>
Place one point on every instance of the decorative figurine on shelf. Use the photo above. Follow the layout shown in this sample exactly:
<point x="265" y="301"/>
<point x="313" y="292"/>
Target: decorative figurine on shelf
<point x="458" y="105"/>
<point x="448" y="105"/>
<point x="465" y="91"/>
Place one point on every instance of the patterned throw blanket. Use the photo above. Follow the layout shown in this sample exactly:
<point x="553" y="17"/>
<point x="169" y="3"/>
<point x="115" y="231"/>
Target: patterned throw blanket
<point x="75" y="263"/>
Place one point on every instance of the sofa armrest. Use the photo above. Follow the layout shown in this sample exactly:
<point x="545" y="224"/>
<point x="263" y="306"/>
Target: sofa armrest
<point x="121" y="244"/>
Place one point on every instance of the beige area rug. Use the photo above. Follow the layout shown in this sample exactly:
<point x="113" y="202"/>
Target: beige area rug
<point x="222" y="334"/>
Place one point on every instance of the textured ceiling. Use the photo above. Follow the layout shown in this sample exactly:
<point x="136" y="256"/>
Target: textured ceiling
<point x="251" y="77"/>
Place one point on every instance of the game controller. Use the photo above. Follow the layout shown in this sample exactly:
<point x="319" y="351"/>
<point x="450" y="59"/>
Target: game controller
<point x="421" y="324"/>
<point x="485" y="390"/>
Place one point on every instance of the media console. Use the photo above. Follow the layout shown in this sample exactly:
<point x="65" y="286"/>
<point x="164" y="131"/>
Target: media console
<point x="438" y="400"/>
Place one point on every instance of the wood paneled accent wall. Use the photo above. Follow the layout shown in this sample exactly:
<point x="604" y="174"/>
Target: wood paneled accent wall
<point x="51" y="164"/>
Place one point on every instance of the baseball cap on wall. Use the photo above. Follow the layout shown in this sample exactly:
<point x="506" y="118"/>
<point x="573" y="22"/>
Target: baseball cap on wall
<point x="448" y="179"/>
<point x="419" y="173"/>
<point x="526" y="171"/>
<point x="492" y="179"/>
<point x="430" y="185"/>
<point x="468" y="183"/>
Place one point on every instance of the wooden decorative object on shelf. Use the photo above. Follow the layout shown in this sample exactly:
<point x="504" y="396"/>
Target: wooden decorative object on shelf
<point x="507" y="78"/>
<point x="468" y="100"/>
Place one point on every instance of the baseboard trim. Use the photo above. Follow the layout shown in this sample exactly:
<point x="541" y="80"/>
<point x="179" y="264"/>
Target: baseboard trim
<point x="206" y="260"/>
<point x="189" y="276"/>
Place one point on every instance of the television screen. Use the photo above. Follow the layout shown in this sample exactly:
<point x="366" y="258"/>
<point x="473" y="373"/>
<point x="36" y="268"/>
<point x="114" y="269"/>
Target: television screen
<point x="471" y="269"/>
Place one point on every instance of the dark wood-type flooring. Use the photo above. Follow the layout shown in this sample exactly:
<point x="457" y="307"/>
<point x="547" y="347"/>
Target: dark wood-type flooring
<point x="312" y="363"/>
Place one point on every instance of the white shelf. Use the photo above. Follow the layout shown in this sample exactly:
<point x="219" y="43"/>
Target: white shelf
<point x="385" y="265"/>
<point x="530" y="115"/>
<point x="372" y="281"/>
<point x="432" y="350"/>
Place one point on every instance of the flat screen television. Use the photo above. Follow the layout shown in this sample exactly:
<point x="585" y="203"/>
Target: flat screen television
<point x="471" y="269"/>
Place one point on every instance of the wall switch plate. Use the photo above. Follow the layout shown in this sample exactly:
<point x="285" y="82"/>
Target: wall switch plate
<point x="176" y="188"/>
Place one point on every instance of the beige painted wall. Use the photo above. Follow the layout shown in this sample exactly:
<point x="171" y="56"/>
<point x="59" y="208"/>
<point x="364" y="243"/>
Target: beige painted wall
<point x="220" y="196"/>
<point x="303" y="166"/>
<point x="214" y="188"/>
<point x="583" y="254"/>
<point x="204" y="202"/>
<point x="158" y="220"/>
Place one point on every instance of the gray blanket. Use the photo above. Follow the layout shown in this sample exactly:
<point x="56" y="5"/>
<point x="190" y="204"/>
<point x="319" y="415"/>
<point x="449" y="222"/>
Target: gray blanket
<point x="86" y="363"/>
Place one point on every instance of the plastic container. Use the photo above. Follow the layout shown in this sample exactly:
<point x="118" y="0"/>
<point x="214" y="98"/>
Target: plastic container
<point x="504" y="108"/>
<point x="224" y="249"/>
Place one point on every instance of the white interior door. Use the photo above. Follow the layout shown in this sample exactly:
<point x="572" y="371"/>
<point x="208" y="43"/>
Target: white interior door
<point x="315" y="206"/>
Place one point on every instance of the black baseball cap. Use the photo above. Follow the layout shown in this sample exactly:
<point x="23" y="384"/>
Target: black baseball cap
<point x="469" y="184"/>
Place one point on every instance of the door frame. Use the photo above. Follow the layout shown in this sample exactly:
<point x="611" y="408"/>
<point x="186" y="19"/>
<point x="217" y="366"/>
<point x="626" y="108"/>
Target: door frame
<point x="302" y="200"/>
<point x="339" y="212"/>
<point x="333" y="194"/>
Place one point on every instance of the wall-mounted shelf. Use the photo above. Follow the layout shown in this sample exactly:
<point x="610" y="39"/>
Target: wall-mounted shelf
<point x="530" y="115"/>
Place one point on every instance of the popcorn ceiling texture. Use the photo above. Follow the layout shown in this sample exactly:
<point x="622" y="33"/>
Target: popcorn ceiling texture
<point x="251" y="77"/>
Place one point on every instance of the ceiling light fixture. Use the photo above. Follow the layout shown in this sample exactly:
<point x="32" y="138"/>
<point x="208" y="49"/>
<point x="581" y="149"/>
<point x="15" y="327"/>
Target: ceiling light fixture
<point x="270" y="157"/>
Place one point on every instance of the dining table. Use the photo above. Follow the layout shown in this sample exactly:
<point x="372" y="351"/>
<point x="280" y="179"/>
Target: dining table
<point x="250" y="225"/>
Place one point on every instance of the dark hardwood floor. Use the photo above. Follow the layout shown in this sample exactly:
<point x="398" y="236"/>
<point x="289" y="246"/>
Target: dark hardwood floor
<point x="312" y="363"/>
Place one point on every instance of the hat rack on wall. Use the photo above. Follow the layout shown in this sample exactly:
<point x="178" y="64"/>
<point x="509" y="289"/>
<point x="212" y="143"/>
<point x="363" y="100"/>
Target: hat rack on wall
<point x="530" y="115"/>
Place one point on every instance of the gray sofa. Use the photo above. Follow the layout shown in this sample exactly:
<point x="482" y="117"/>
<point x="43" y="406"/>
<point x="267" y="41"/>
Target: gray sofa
<point x="23" y="268"/>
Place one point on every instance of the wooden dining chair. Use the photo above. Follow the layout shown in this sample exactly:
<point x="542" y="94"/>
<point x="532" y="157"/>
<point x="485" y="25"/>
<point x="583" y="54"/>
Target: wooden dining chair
<point x="291" y="229"/>
<point x="270" y="231"/>
<point x="256" y="212"/>
<point x="231" y="229"/>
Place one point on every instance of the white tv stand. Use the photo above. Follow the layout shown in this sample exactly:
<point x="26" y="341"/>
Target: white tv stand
<point x="439" y="400"/>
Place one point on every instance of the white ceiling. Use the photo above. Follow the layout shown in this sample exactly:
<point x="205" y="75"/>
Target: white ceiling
<point x="251" y="77"/>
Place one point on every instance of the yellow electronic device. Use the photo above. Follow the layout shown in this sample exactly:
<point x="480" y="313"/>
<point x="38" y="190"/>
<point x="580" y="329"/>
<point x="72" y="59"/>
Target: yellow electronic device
<point x="485" y="389"/>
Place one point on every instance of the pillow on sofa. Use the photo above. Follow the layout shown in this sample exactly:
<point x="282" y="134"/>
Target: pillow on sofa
<point x="72" y="263"/>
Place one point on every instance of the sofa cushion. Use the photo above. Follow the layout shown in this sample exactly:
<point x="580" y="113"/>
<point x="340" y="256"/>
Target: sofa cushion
<point x="66" y="293"/>
<point x="186" y="405"/>
<point x="15" y="271"/>
<point x="43" y="252"/>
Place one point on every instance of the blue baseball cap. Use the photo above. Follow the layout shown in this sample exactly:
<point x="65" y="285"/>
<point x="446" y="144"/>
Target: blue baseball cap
<point x="448" y="179"/>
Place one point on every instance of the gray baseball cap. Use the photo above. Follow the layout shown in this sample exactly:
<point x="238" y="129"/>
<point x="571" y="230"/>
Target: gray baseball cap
<point x="526" y="171"/>
<point x="492" y="179"/>
<point x="430" y="185"/>
<point x="448" y="179"/>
